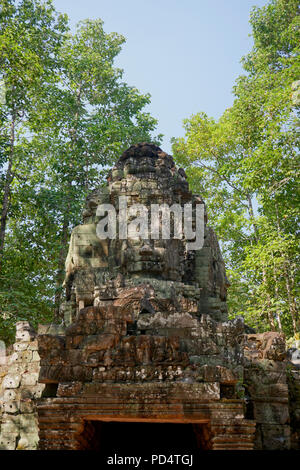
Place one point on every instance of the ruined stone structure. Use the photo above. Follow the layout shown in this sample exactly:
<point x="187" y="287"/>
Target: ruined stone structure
<point x="145" y="340"/>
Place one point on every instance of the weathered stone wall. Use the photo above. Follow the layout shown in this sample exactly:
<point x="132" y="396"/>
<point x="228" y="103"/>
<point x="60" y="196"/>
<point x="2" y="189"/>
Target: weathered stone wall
<point x="3" y="373"/>
<point x="265" y="379"/>
<point x="180" y="347"/>
<point x="227" y="367"/>
<point x="19" y="391"/>
<point x="293" y="380"/>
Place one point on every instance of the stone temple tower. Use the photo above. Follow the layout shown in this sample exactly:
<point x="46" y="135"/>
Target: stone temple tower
<point x="145" y="338"/>
<point x="175" y="278"/>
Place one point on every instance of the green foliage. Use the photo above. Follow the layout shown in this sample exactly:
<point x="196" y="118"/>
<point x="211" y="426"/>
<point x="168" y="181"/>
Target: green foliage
<point x="67" y="117"/>
<point x="246" y="167"/>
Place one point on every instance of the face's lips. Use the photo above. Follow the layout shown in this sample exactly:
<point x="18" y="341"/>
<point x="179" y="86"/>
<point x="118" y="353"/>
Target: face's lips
<point x="145" y="265"/>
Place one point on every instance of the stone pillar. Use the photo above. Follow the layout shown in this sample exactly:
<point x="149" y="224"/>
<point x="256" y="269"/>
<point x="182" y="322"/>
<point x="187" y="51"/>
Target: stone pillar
<point x="19" y="390"/>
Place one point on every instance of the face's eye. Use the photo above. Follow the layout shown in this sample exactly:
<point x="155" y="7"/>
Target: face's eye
<point x="86" y="251"/>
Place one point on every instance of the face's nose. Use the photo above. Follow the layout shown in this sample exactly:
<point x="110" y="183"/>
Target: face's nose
<point x="146" y="250"/>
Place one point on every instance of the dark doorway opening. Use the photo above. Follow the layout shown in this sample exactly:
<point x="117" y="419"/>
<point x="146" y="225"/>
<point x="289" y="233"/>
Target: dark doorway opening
<point x="142" y="436"/>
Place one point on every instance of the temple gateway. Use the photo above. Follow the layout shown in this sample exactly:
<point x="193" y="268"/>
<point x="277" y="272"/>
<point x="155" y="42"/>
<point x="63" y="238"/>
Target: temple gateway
<point x="144" y="342"/>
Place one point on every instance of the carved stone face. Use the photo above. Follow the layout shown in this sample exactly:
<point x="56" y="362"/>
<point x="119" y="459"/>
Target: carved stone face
<point x="146" y="175"/>
<point x="153" y="258"/>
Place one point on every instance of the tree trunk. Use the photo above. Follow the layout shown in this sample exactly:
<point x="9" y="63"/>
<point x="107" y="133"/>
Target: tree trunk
<point x="61" y="270"/>
<point x="264" y="274"/>
<point x="269" y="312"/>
<point x="7" y="191"/>
<point x="65" y="234"/>
<point x="291" y="301"/>
<point x="288" y="283"/>
<point x="277" y="298"/>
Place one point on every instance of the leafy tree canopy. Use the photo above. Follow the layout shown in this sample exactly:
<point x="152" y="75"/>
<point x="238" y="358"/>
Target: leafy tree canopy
<point x="246" y="166"/>
<point x="67" y="115"/>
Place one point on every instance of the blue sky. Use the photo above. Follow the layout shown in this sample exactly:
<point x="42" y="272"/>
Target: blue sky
<point x="185" y="53"/>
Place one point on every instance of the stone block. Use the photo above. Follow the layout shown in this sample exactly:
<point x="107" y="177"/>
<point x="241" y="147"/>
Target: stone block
<point x="27" y="406"/>
<point x="275" y="437"/>
<point x="33" y="367"/>
<point x="33" y="345"/>
<point x="201" y="360"/>
<point x="16" y="368"/>
<point x="10" y="418"/>
<point x="74" y="357"/>
<point x="28" y="441"/>
<point x="73" y="342"/>
<point x="80" y="374"/>
<point x="270" y="390"/>
<point x="199" y="345"/>
<point x="21" y="346"/>
<point x="50" y="374"/>
<point x="29" y="378"/>
<point x="13" y="358"/>
<point x="24" y="336"/>
<point x="212" y="373"/>
<point x="69" y="389"/>
<point x="10" y="395"/>
<point x="11" y="407"/>
<point x="11" y="381"/>
<point x="24" y="332"/>
<point x="51" y="329"/>
<point x="271" y="413"/>
<point x="99" y="342"/>
<point x="8" y="441"/>
<point x="23" y="326"/>
<point x="265" y="372"/>
<point x="24" y="356"/>
<point x="50" y="345"/>
<point x="9" y="427"/>
<point x="32" y="391"/>
<point x="35" y="356"/>
<point x="28" y="422"/>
